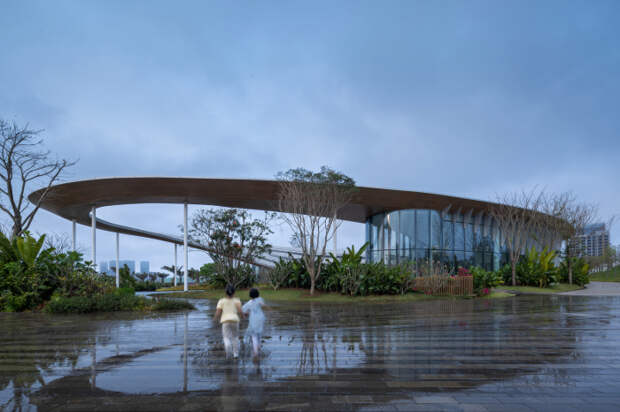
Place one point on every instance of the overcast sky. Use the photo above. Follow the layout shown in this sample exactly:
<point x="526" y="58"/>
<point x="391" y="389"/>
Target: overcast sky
<point x="468" y="98"/>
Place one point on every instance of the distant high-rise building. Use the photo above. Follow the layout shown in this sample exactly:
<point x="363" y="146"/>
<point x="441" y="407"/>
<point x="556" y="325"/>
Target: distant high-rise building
<point x="594" y="240"/>
<point x="103" y="267"/>
<point x="131" y="264"/>
<point x="144" y="266"/>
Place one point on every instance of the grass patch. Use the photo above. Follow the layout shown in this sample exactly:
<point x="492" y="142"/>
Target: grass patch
<point x="612" y="275"/>
<point x="498" y="295"/>
<point x="303" y="295"/>
<point x="562" y="287"/>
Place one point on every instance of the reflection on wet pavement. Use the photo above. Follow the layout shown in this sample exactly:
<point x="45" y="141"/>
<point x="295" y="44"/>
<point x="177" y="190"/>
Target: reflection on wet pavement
<point x="526" y="353"/>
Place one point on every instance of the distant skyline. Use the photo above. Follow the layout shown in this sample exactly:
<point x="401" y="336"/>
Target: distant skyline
<point x="468" y="98"/>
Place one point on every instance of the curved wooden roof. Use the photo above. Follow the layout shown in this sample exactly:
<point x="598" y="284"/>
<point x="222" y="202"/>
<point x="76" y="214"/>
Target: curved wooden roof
<point x="74" y="200"/>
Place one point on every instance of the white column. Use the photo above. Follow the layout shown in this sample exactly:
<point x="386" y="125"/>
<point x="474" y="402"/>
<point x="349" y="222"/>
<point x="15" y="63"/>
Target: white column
<point x="73" y="238"/>
<point x="118" y="277"/>
<point x="185" y="246"/>
<point x="175" y="264"/>
<point x="93" y="219"/>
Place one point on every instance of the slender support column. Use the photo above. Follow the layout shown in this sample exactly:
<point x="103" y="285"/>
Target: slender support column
<point x="185" y="247"/>
<point x="118" y="281"/>
<point x="93" y="219"/>
<point x="73" y="232"/>
<point x="175" y="264"/>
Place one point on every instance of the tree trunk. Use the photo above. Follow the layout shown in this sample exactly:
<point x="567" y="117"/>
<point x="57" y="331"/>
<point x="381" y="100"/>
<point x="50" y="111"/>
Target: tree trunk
<point x="569" y="263"/>
<point x="312" y="273"/>
<point x="513" y="266"/>
<point x="17" y="229"/>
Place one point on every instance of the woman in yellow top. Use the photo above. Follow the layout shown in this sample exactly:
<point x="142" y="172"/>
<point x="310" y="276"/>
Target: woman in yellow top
<point x="230" y="313"/>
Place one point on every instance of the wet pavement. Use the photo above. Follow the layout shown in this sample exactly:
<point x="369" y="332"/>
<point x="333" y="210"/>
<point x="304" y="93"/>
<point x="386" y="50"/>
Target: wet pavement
<point x="597" y="289"/>
<point x="525" y="353"/>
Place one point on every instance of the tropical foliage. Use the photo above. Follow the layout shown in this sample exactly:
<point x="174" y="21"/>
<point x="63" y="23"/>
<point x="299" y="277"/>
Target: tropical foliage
<point x="30" y="274"/>
<point x="35" y="277"/>
<point x="484" y="280"/>
<point x="537" y="268"/>
<point x="580" y="269"/>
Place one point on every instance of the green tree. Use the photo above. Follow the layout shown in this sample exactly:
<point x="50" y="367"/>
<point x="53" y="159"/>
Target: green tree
<point x="125" y="277"/>
<point x="310" y="202"/>
<point x="609" y="257"/>
<point x="233" y="238"/>
<point x="162" y="276"/>
<point x="174" y="271"/>
<point x="207" y="272"/>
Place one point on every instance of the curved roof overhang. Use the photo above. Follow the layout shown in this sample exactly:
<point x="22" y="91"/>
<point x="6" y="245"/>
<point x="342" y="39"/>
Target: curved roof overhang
<point x="74" y="200"/>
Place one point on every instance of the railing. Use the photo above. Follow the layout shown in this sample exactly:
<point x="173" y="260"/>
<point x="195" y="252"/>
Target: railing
<point x="445" y="285"/>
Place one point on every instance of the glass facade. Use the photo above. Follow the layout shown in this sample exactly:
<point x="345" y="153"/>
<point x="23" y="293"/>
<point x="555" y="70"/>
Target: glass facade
<point x="426" y="236"/>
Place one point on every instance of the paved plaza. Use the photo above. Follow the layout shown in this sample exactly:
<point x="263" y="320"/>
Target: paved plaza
<point x="597" y="289"/>
<point x="548" y="353"/>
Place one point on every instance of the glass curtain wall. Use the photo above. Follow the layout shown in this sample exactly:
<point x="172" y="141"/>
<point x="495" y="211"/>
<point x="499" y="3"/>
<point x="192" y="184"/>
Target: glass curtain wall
<point x="428" y="236"/>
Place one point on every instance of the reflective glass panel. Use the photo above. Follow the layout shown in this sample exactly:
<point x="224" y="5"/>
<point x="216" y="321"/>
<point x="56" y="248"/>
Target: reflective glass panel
<point x="435" y="229"/>
<point x="407" y="227"/>
<point x="477" y="237"/>
<point x="469" y="259"/>
<point x="422" y="229"/>
<point x="460" y="259"/>
<point x="459" y="237"/>
<point x="421" y="255"/>
<point x="448" y="234"/>
<point x="469" y="236"/>
<point x="394" y="230"/>
<point x="488" y="261"/>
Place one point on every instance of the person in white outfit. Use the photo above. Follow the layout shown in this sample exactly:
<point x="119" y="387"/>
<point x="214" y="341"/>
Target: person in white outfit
<point x="254" y="308"/>
<point x="229" y="312"/>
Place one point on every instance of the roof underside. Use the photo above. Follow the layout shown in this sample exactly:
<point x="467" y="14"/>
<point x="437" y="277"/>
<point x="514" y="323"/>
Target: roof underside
<point x="74" y="200"/>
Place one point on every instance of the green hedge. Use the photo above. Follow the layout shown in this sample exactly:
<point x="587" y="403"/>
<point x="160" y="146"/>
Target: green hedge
<point x="112" y="302"/>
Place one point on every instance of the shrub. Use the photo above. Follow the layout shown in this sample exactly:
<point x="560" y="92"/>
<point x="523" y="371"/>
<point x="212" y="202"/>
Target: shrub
<point x="484" y="280"/>
<point x="580" y="271"/>
<point x="110" y="302"/>
<point x="278" y="275"/>
<point x="351" y="279"/>
<point x="148" y="286"/>
<point x="17" y="303"/>
<point x="381" y="279"/>
<point x="506" y="274"/>
<point x="537" y="268"/>
<point x="30" y="275"/>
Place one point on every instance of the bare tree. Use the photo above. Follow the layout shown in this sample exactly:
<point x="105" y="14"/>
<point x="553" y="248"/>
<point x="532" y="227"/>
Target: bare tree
<point x="24" y="165"/>
<point x="552" y="227"/>
<point x="577" y="216"/>
<point x="310" y="202"/>
<point x="61" y="242"/>
<point x="517" y="217"/>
